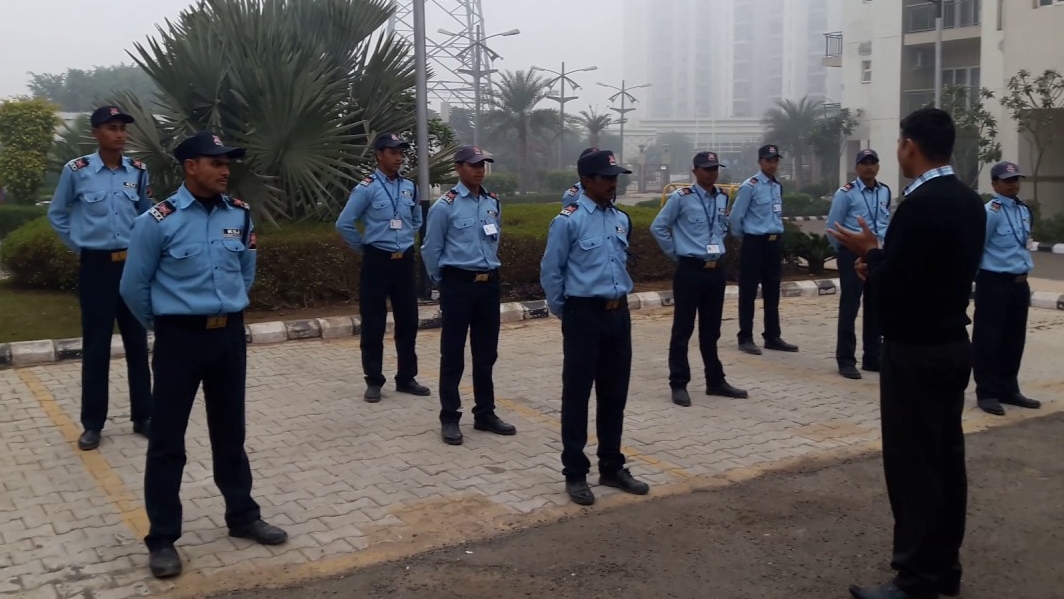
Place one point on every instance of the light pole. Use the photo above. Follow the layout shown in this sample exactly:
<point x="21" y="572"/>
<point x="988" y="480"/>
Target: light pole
<point x="624" y="95"/>
<point x="562" y="78"/>
<point x="422" y="100"/>
<point x="938" y="53"/>
<point x="478" y="47"/>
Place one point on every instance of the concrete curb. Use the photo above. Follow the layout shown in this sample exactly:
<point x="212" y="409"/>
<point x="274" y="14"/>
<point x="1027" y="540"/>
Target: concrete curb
<point x="45" y="351"/>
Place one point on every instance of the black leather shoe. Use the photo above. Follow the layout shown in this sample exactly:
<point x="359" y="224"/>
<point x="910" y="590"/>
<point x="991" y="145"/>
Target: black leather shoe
<point x="494" y="424"/>
<point x="261" y="533"/>
<point x="870" y="365"/>
<point x="413" y="388"/>
<point x="372" y="394"/>
<point x="726" y="390"/>
<point x="850" y="372"/>
<point x="164" y="562"/>
<point x="990" y="406"/>
<point x="749" y="347"/>
<point x="680" y="397"/>
<point x="579" y="492"/>
<point x="887" y="591"/>
<point x="778" y="344"/>
<point x="1022" y="401"/>
<point x="89" y="440"/>
<point x="452" y="435"/>
<point x="141" y="427"/>
<point x="623" y="480"/>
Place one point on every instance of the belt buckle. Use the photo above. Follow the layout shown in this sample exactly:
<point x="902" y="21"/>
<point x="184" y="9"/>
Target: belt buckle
<point x="613" y="304"/>
<point x="480" y="277"/>
<point x="397" y="255"/>
<point x="709" y="264"/>
<point x="217" y="322"/>
<point x="773" y="237"/>
<point x="1021" y="278"/>
<point x="119" y="256"/>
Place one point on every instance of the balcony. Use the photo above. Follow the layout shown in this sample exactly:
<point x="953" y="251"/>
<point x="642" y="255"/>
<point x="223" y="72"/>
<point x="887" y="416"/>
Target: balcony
<point x="916" y="99"/>
<point x="961" y="19"/>
<point x="832" y="49"/>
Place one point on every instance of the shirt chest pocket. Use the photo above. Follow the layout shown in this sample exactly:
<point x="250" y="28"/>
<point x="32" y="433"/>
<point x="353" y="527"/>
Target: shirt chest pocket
<point x="381" y="206"/>
<point x="95" y="203"/>
<point x="764" y="196"/>
<point x="590" y="244"/>
<point x="186" y="261"/>
<point x="131" y="195"/>
<point x="464" y="225"/>
<point x="697" y="219"/>
<point x="1007" y="234"/>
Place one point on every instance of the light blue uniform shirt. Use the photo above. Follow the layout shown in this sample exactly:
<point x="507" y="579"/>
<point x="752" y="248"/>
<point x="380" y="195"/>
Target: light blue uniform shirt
<point x="458" y="232"/>
<point x="692" y="222"/>
<point x="1008" y="227"/>
<point x="758" y="207"/>
<point x="586" y="254"/>
<point x="378" y="201"/>
<point x="856" y="199"/>
<point x="572" y="194"/>
<point x="93" y="206"/>
<point x="185" y="261"/>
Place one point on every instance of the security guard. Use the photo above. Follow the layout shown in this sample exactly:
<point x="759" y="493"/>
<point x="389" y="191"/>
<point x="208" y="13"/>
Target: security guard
<point x="1002" y="296"/>
<point x="573" y="193"/>
<point x="585" y="276"/>
<point x="690" y="229"/>
<point x="757" y="219"/>
<point x="92" y="210"/>
<point x="191" y="263"/>
<point x="387" y="206"/>
<point x="867" y="198"/>
<point x="461" y="254"/>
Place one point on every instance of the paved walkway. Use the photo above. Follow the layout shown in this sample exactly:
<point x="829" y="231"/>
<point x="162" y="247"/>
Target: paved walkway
<point x="356" y="483"/>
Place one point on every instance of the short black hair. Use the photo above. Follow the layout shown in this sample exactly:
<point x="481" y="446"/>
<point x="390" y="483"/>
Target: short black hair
<point x="932" y="130"/>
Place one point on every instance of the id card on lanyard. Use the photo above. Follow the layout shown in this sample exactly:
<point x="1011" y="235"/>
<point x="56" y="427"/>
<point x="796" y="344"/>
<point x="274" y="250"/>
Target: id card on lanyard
<point x="711" y="219"/>
<point x="395" y="223"/>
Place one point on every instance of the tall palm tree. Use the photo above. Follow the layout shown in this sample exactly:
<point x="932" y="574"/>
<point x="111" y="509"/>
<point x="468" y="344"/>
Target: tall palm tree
<point x="595" y="123"/>
<point x="514" y="111"/>
<point x="788" y="125"/>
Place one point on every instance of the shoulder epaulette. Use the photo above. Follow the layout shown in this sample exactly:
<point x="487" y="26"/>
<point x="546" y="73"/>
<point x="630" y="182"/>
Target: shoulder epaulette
<point x="161" y="210"/>
<point x="569" y="210"/>
<point x="78" y="164"/>
<point x="752" y="181"/>
<point x="493" y="195"/>
<point x="995" y="206"/>
<point x="450" y="196"/>
<point x="138" y="164"/>
<point x="847" y="187"/>
<point x="239" y="203"/>
<point x="367" y="181"/>
<point x="686" y="191"/>
<point x="572" y="191"/>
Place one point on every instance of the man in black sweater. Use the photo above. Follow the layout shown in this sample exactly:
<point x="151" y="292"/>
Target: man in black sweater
<point x="923" y="279"/>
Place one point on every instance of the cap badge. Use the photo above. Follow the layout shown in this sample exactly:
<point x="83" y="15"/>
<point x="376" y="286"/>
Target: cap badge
<point x="217" y="140"/>
<point x="395" y="137"/>
<point x="476" y="150"/>
<point x="613" y="160"/>
<point x="772" y="148"/>
<point x="114" y="111"/>
<point x="1010" y="169"/>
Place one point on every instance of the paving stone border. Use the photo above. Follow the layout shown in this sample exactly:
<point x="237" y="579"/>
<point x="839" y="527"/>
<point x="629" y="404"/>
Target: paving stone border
<point x="43" y="351"/>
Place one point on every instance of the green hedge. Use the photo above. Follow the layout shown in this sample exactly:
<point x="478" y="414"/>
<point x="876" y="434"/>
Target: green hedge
<point x="36" y="258"/>
<point x="13" y="217"/>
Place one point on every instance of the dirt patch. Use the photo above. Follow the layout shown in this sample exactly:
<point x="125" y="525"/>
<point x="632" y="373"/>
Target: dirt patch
<point x="800" y="533"/>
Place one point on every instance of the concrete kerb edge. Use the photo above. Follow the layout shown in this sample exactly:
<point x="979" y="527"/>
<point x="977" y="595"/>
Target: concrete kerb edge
<point x="26" y="353"/>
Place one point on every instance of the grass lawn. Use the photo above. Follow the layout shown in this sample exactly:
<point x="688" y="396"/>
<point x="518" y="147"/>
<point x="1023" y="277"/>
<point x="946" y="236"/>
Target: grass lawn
<point x="26" y="315"/>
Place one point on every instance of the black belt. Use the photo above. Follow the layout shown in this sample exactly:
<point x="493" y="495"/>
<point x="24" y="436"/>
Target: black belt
<point x="767" y="236"/>
<point x="373" y="250"/>
<point x="1004" y="276"/>
<point x="698" y="263"/>
<point x="105" y="255"/>
<point x="596" y="303"/>
<point x="470" y="276"/>
<point x="201" y="323"/>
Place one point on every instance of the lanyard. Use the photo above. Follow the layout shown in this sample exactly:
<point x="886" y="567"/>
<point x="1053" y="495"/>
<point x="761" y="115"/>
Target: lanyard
<point x="394" y="199"/>
<point x="711" y="218"/>
<point x="873" y="209"/>
<point x="1020" y="237"/>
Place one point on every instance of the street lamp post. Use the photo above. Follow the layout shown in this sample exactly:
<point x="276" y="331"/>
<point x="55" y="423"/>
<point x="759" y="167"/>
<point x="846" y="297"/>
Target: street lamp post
<point x="624" y="95"/>
<point x="422" y="100"/>
<point x="479" y="48"/>
<point x="938" y="53"/>
<point x="562" y="78"/>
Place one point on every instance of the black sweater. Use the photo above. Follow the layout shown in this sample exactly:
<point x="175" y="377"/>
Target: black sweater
<point x="923" y="275"/>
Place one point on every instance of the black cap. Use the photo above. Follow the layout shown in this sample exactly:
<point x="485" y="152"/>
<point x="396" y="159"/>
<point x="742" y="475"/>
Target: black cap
<point x="588" y="151"/>
<point x="768" y="151"/>
<point x="867" y="154"/>
<point x="390" y="140"/>
<point x="601" y="162"/>
<point x="104" y="114"/>
<point x="205" y="143"/>
<point x="706" y="160"/>
<point x="1005" y="170"/>
<point x="470" y="155"/>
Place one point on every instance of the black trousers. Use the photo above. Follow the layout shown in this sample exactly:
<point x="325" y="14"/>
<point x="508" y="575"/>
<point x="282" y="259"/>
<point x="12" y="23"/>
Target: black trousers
<point x="383" y="278"/>
<point x="468" y="307"/>
<point x="597" y="346"/>
<point x="186" y="354"/>
<point x="99" y="274"/>
<point x="921" y="401"/>
<point x="999" y="333"/>
<point x="760" y="263"/>
<point x="854" y="293"/>
<point x="696" y="290"/>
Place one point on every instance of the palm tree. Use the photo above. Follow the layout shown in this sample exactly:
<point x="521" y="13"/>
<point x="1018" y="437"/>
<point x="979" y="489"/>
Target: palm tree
<point x="303" y="84"/>
<point x="595" y="123"/>
<point x="788" y="126"/>
<point x="514" y="111"/>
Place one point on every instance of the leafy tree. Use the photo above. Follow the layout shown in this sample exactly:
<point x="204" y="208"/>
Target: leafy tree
<point x="977" y="143"/>
<point x="788" y="126"/>
<point x="1034" y="103"/>
<point x="27" y="127"/>
<point x="827" y="140"/>
<point x="79" y="90"/>
<point x="74" y="140"/>
<point x="461" y="122"/>
<point x="677" y="147"/>
<point x="595" y="123"/>
<point x="514" y="112"/>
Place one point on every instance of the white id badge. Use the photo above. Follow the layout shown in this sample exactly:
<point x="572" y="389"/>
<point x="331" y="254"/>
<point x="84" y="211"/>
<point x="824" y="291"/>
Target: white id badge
<point x="395" y="223"/>
<point x="491" y="229"/>
<point x="777" y="208"/>
<point x="712" y="249"/>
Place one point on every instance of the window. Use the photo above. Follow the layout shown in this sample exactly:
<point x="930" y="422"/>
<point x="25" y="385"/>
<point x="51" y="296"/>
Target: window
<point x="1049" y="2"/>
<point x="866" y="71"/>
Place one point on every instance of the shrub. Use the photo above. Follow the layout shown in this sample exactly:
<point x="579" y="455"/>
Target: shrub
<point x="800" y="204"/>
<point x="503" y="184"/>
<point x="559" y="180"/>
<point x="13" y="217"/>
<point x="1049" y="230"/>
<point x="36" y="258"/>
<point x="819" y="190"/>
<point x="535" y="198"/>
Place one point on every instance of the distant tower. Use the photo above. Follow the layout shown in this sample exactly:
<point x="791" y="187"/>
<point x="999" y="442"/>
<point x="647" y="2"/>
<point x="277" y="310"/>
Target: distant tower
<point x="451" y="58"/>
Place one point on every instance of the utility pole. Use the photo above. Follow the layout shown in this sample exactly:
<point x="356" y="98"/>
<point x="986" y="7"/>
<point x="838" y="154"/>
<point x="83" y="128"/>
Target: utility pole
<point x="422" y="99"/>
<point x="625" y="96"/>
<point x="562" y="78"/>
<point x="938" y="53"/>
<point x="478" y="46"/>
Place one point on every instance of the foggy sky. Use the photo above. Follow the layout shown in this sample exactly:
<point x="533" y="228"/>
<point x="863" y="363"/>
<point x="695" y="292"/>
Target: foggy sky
<point x="49" y="36"/>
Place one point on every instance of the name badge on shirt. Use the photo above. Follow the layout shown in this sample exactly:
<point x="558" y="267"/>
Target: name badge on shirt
<point x="777" y="208"/>
<point x="232" y="233"/>
<point x="712" y="249"/>
<point x="491" y="229"/>
<point x="395" y="224"/>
